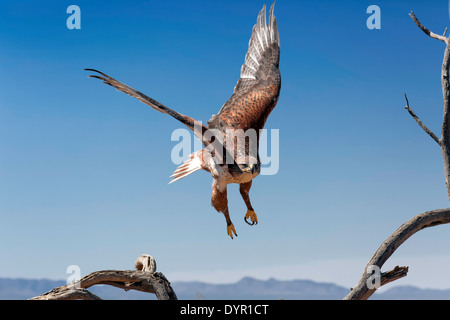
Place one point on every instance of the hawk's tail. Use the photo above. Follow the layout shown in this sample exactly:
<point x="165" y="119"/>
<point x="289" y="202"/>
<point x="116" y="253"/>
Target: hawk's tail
<point x="191" y="165"/>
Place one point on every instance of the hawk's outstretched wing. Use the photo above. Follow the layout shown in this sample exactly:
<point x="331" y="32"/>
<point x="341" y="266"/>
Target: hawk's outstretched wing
<point x="196" y="126"/>
<point x="257" y="90"/>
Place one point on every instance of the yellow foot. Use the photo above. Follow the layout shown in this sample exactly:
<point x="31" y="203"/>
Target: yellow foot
<point x="253" y="218"/>
<point x="231" y="230"/>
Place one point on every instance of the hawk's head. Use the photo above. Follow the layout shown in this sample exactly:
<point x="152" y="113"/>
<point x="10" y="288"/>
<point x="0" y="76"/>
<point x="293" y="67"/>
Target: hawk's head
<point x="248" y="164"/>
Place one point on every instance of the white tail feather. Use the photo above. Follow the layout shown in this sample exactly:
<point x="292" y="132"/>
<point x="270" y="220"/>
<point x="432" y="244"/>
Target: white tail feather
<point x="189" y="166"/>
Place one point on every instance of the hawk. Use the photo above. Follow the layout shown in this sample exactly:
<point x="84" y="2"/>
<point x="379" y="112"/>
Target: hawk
<point x="230" y="153"/>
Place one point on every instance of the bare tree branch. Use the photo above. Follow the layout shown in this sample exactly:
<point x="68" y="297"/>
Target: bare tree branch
<point x="61" y="293"/>
<point x="420" y="123"/>
<point x="384" y="252"/>
<point x="365" y="289"/>
<point x="141" y="280"/>
<point x="426" y="30"/>
<point x="445" y="140"/>
<point x="446" y="117"/>
<point x="394" y="274"/>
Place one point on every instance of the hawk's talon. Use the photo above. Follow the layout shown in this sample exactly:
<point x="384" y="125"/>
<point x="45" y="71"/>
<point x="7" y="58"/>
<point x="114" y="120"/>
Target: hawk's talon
<point x="253" y="218"/>
<point x="231" y="230"/>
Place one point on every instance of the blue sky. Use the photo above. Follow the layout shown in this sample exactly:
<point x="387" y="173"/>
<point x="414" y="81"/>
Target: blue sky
<point x="84" y="169"/>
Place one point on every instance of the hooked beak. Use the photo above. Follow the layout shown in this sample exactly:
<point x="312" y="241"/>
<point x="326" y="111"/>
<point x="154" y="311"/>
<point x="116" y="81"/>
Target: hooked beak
<point x="250" y="168"/>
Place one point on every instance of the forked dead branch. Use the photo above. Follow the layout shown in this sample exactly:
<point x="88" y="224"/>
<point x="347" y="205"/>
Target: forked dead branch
<point x="144" y="278"/>
<point x="363" y="291"/>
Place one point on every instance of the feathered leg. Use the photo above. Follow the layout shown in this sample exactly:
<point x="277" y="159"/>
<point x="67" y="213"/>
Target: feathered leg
<point x="220" y="203"/>
<point x="244" y="188"/>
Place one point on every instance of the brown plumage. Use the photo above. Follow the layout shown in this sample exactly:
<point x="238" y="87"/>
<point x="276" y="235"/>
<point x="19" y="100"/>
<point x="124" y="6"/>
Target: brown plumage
<point x="231" y="137"/>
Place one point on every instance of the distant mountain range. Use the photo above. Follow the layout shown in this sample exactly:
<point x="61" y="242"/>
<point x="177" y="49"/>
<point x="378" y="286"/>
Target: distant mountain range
<point x="245" y="289"/>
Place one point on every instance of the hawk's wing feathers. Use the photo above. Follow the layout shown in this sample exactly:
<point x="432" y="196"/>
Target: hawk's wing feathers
<point x="186" y="120"/>
<point x="257" y="90"/>
<point x="263" y="50"/>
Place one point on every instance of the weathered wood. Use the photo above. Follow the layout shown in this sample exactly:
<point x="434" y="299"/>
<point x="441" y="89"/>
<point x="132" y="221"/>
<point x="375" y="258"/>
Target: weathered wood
<point x="143" y="279"/>
<point x="444" y="141"/>
<point x="426" y="30"/>
<point x="384" y="252"/>
<point x="445" y="146"/>
<point x="145" y="262"/>
<point x="364" y="289"/>
<point x="421" y="124"/>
